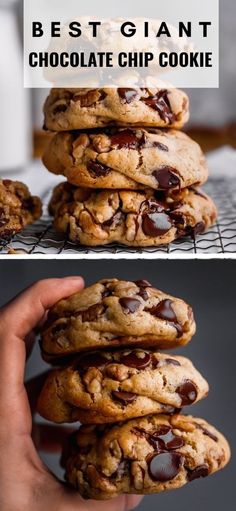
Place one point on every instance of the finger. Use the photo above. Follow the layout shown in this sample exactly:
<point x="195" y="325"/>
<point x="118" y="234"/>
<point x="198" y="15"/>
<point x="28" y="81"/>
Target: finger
<point x="49" y="438"/>
<point x="20" y="316"/>
<point x="36" y="300"/>
<point x="122" y="503"/>
<point x="72" y="502"/>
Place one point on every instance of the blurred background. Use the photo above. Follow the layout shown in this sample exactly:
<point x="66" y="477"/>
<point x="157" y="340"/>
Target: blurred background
<point x="209" y="286"/>
<point x="213" y="111"/>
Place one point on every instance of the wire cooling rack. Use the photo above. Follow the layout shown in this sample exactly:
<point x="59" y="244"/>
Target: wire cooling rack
<point x="42" y="239"/>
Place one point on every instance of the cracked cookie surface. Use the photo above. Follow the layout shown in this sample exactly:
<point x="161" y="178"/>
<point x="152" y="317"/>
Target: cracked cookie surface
<point x="141" y="218"/>
<point x="114" y="313"/>
<point x="143" y="456"/>
<point x="18" y="208"/>
<point x="127" y="158"/>
<point x="102" y="387"/>
<point x="71" y="109"/>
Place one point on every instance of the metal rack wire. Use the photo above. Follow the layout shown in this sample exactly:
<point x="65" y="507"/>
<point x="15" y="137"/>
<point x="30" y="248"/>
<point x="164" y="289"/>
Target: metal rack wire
<point x="42" y="239"/>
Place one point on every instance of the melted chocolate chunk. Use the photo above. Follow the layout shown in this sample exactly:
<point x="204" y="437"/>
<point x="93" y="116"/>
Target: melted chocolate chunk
<point x="133" y="360"/>
<point x="97" y="169"/>
<point x="166" y="177"/>
<point x="142" y="283"/>
<point x="162" y="439"/>
<point x="130" y="305"/>
<point x="165" y="439"/>
<point x="127" y="95"/>
<point x="60" y="109"/>
<point x="208" y="433"/>
<point x="199" y="228"/>
<point x="92" y="313"/>
<point x="165" y="466"/>
<point x="201" y="471"/>
<point x="91" y="360"/>
<point x="188" y="392"/>
<point x="114" y="220"/>
<point x="178" y="219"/>
<point x="172" y="361"/>
<point x="7" y="182"/>
<point x="125" y="139"/>
<point x="124" y="397"/>
<point x="160" y="102"/>
<point x="164" y="310"/>
<point x="197" y="192"/>
<point x="156" y="224"/>
<point x="143" y="293"/>
<point x="160" y="146"/>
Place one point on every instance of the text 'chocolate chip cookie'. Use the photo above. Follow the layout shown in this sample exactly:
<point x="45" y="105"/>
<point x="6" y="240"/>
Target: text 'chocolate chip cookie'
<point x="18" y="208"/>
<point x="128" y="158"/>
<point x="139" y="219"/>
<point x="102" y="387"/>
<point x="113" y="314"/>
<point x="72" y="109"/>
<point x="143" y="456"/>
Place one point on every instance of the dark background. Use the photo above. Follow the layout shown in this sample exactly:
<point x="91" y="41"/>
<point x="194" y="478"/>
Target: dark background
<point x="209" y="286"/>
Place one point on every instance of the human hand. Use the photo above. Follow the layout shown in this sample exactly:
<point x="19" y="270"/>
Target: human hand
<point x="25" y="482"/>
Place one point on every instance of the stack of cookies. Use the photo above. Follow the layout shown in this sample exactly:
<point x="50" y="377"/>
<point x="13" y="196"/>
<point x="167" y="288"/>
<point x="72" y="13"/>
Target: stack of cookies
<point x="129" y="179"/>
<point x="127" y="394"/>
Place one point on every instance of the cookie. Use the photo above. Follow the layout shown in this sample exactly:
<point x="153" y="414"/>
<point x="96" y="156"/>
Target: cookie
<point x="115" y="386"/>
<point x="129" y="158"/>
<point x="114" y="313"/>
<point x="72" y="109"/>
<point x="18" y="208"/>
<point x="133" y="218"/>
<point x="143" y="456"/>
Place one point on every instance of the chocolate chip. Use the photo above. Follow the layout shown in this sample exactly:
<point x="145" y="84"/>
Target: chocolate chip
<point x="124" y="397"/>
<point x="160" y="102"/>
<point x="91" y="360"/>
<point x="197" y="192"/>
<point x="178" y="219"/>
<point x="133" y="360"/>
<point x="166" y="177"/>
<point x="125" y="139"/>
<point x="97" y="169"/>
<point x="172" y="361"/>
<point x="208" y="433"/>
<point x="142" y="283"/>
<point x="160" y="146"/>
<point x="92" y="313"/>
<point x="59" y="109"/>
<point x="201" y="471"/>
<point x="130" y="305"/>
<point x="128" y="95"/>
<point x="164" y="439"/>
<point x="165" y="466"/>
<point x="7" y="182"/>
<point x="114" y="220"/>
<point x="188" y="392"/>
<point x="199" y="228"/>
<point x="156" y="224"/>
<point x="143" y="293"/>
<point x="164" y="310"/>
